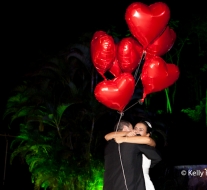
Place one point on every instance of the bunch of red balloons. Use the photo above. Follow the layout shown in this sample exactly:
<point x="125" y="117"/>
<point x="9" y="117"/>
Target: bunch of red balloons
<point x="153" y="38"/>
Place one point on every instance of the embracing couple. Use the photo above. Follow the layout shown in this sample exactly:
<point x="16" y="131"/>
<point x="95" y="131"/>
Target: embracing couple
<point x="129" y="154"/>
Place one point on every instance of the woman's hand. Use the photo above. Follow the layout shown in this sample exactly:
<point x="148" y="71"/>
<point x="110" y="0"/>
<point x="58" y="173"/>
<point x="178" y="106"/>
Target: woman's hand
<point x="131" y="134"/>
<point x="119" y="139"/>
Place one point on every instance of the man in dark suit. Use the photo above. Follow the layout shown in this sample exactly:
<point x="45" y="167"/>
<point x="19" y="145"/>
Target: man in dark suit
<point x="123" y="162"/>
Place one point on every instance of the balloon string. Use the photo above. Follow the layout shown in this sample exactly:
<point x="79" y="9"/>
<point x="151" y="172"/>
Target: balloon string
<point x="135" y="75"/>
<point x="121" y="115"/>
<point x="131" y="106"/>
<point x="137" y="80"/>
<point x="140" y="64"/>
<point x="136" y="72"/>
<point x="122" y="167"/>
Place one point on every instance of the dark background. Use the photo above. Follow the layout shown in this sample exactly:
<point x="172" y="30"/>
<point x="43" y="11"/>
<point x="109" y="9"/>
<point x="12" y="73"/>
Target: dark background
<point x="28" y="29"/>
<point x="31" y="28"/>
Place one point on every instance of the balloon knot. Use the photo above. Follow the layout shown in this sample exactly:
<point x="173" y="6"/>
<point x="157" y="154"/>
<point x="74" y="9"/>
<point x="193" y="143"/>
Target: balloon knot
<point x="141" y="101"/>
<point x="121" y="113"/>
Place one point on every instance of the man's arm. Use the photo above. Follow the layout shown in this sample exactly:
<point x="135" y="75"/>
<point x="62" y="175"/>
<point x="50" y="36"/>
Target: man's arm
<point x="135" y="139"/>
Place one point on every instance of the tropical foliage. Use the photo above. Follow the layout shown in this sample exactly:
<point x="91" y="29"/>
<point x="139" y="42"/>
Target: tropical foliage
<point x="56" y="113"/>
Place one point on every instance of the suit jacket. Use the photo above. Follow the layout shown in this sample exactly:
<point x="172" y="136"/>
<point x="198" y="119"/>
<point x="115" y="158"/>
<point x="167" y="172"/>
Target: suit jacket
<point x="123" y="165"/>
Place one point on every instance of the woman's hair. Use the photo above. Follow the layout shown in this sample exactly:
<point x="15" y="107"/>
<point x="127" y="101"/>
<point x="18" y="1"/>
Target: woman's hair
<point x="148" y="126"/>
<point x="120" y="125"/>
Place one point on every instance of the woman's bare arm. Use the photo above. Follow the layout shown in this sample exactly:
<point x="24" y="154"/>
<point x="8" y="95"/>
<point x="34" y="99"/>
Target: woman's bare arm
<point x="112" y="135"/>
<point x="136" y="139"/>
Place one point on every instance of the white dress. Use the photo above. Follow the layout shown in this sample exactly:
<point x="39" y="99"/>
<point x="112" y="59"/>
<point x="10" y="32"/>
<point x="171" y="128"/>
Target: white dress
<point x="145" y="166"/>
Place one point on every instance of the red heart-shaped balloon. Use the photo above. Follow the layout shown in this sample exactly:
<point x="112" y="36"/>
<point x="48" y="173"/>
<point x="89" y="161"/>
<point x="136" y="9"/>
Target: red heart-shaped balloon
<point x="157" y="75"/>
<point x="103" y="51"/>
<point x="162" y="44"/>
<point x="115" y="69"/>
<point x="129" y="54"/>
<point x="146" y="23"/>
<point x="116" y="93"/>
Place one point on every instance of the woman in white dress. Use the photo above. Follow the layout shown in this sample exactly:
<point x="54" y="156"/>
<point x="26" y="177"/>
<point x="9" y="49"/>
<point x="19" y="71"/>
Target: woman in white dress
<point x="144" y="128"/>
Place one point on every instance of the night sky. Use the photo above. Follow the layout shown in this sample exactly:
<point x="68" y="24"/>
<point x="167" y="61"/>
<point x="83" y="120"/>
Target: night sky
<point x="30" y="28"/>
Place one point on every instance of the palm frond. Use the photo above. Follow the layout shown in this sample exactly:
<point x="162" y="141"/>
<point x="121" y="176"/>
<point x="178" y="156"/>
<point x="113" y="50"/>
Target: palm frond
<point x="82" y="53"/>
<point x="61" y="109"/>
